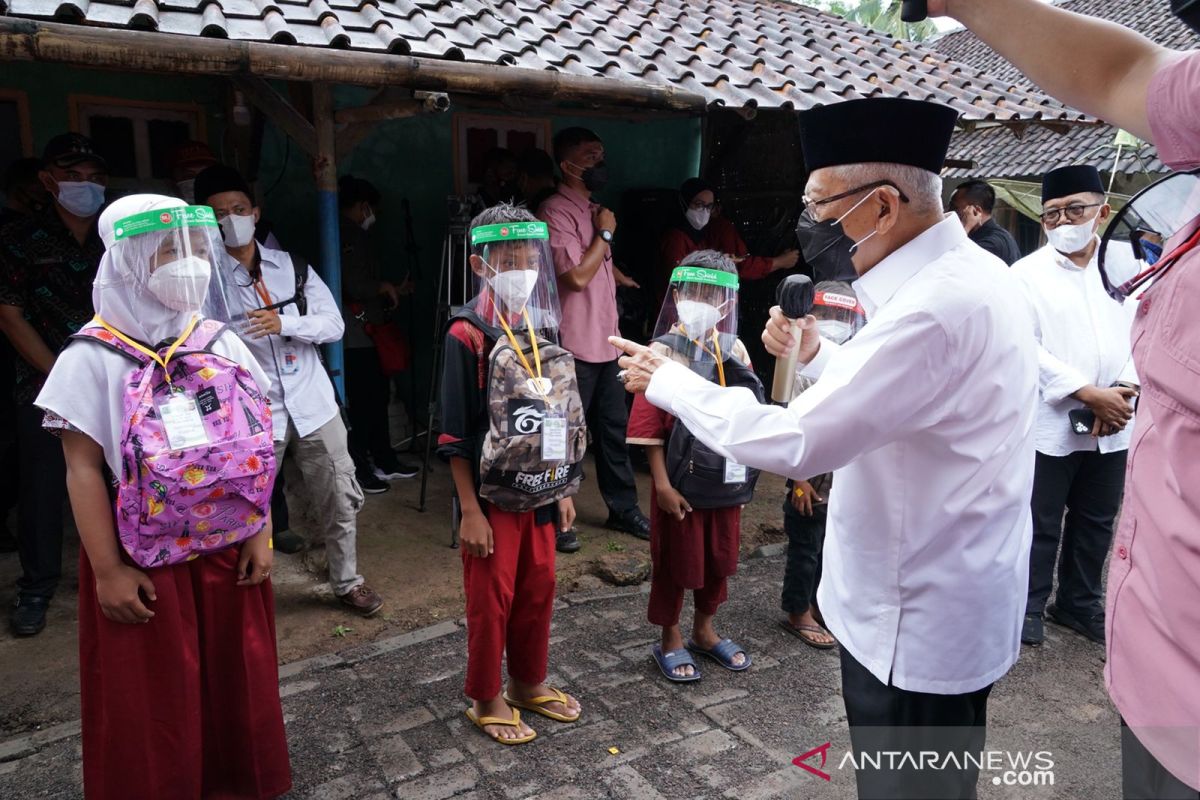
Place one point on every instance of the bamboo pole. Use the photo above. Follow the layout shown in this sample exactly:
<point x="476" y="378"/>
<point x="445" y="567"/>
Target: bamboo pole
<point x="139" y="51"/>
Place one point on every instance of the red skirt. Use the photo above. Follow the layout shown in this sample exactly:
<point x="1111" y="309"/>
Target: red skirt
<point x="185" y="706"/>
<point x="703" y="545"/>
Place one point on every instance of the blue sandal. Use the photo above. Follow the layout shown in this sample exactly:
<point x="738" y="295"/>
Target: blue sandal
<point x="723" y="653"/>
<point x="670" y="661"/>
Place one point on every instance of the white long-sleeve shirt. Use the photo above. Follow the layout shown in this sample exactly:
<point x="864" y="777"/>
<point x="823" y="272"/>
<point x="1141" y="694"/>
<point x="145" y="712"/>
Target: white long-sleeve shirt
<point x="927" y="417"/>
<point x="300" y="388"/>
<point x="1083" y="339"/>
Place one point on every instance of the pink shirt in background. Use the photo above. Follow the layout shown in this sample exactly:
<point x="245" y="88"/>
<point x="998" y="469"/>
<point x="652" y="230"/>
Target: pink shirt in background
<point x="588" y="317"/>
<point x="1153" y="669"/>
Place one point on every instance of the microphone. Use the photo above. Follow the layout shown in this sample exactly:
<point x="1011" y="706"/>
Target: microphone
<point x="914" y="10"/>
<point x="795" y="297"/>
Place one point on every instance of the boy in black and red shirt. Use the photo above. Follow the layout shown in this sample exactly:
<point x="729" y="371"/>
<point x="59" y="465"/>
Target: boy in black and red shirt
<point x="508" y="390"/>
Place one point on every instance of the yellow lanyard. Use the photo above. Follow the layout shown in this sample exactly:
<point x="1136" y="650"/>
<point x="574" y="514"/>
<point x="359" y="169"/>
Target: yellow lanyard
<point x="537" y="359"/>
<point x="716" y="356"/>
<point x="161" y="361"/>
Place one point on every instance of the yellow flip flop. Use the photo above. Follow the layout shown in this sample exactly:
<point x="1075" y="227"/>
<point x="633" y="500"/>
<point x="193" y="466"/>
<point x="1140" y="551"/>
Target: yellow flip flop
<point x="538" y="705"/>
<point x="515" y="722"/>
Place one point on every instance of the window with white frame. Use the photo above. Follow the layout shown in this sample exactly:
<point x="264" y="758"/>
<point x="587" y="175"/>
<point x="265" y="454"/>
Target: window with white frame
<point x="477" y="134"/>
<point x="137" y="138"/>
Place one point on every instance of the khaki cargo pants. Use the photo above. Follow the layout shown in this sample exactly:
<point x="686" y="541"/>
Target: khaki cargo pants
<point x="334" y="495"/>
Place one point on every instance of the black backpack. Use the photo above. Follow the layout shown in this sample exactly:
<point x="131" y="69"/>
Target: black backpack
<point x="696" y="472"/>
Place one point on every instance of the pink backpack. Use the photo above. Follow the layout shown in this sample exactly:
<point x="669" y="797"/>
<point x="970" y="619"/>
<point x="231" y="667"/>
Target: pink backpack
<point x="174" y="504"/>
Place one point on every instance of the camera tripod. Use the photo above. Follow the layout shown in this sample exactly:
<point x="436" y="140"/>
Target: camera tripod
<point x="454" y="287"/>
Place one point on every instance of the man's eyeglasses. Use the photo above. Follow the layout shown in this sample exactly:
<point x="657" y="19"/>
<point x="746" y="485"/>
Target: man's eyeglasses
<point x="811" y="205"/>
<point x="1075" y="213"/>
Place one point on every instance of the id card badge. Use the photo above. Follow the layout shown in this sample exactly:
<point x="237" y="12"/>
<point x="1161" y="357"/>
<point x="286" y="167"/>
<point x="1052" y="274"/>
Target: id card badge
<point x="290" y="360"/>
<point x="554" y="438"/>
<point x="734" y="472"/>
<point x="180" y="417"/>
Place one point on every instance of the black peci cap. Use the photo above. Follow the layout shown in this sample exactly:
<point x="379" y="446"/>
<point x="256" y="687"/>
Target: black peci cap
<point x="877" y="129"/>
<point x="68" y="149"/>
<point x="220" y="178"/>
<point x="1066" y="181"/>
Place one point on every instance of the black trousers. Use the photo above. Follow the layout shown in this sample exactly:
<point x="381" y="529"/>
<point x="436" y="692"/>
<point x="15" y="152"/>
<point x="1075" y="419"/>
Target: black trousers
<point x="43" y="484"/>
<point x="1088" y="488"/>
<point x="1144" y="778"/>
<point x="367" y="396"/>
<point x="886" y="720"/>
<point x="806" y="540"/>
<point x="279" y="506"/>
<point x="603" y="399"/>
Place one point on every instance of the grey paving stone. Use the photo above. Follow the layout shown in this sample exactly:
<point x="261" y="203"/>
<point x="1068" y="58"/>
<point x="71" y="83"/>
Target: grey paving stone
<point x="394" y="757"/>
<point x="627" y="782"/>
<point x="455" y="781"/>
<point x="704" y="746"/>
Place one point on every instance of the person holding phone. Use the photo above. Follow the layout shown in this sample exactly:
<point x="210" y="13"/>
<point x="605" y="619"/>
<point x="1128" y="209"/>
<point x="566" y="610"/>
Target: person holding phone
<point x="1086" y="376"/>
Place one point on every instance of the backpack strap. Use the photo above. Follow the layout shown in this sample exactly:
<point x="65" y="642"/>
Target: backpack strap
<point x="100" y="336"/>
<point x="203" y="335"/>
<point x="300" y="267"/>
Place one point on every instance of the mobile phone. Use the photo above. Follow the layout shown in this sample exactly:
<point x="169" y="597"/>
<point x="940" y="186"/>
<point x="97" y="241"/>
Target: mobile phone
<point x="1082" y="420"/>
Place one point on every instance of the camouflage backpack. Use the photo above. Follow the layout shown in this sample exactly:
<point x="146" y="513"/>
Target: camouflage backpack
<point x="513" y="473"/>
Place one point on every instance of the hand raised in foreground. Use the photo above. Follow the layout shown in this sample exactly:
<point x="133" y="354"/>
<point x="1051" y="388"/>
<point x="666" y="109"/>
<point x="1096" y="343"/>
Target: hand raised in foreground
<point x="638" y="365"/>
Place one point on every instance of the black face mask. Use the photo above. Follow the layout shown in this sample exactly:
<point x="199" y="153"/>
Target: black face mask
<point x="594" y="178"/>
<point x="1188" y="12"/>
<point x="826" y="249"/>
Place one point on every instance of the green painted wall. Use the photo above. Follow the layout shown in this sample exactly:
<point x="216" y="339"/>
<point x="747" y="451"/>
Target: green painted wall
<point x="48" y="87"/>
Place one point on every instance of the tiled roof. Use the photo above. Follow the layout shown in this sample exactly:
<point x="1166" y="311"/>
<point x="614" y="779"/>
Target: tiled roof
<point x="767" y="53"/>
<point x="999" y="154"/>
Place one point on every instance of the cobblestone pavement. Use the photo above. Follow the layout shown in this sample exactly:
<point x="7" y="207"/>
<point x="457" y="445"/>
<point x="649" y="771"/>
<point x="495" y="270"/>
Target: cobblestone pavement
<point x="385" y="720"/>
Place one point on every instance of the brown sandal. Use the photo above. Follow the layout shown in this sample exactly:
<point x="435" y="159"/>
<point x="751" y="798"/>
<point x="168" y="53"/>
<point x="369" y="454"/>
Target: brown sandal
<point x="802" y="632"/>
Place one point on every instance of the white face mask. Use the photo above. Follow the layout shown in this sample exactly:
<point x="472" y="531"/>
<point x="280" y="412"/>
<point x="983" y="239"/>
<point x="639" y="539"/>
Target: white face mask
<point x="182" y="284"/>
<point x="514" y="287"/>
<point x="237" y="231"/>
<point x="81" y="198"/>
<point x="369" y="219"/>
<point x="834" y="330"/>
<point x="1070" y="239"/>
<point x="698" y="318"/>
<point x="698" y="217"/>
<point x="187" y="190"/>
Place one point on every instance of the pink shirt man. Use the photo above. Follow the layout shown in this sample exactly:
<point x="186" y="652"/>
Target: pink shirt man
<point x="589" y="317"/>
<point x="1153" y="669"/>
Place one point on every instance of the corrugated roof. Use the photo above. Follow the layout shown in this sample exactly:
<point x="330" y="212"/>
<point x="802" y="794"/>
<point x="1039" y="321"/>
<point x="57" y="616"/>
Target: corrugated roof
<point x="741" y="53"/>
<point x="999" y="154"/>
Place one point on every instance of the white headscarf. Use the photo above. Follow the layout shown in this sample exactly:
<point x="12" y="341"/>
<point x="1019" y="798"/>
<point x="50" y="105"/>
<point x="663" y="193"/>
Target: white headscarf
<point x="121" y="294"/>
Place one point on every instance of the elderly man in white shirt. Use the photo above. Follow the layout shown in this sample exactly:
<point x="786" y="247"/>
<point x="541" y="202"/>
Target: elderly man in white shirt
<point x="1084" y="419"/>
<point x="927" y="418"/>
<point x="284" y="340"/>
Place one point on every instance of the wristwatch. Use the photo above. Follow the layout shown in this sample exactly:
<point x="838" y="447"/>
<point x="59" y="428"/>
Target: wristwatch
<point x="605" y="235"/>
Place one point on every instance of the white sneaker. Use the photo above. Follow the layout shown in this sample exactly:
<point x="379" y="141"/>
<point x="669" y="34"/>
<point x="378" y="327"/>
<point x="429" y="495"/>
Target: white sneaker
<point x="401" y="472"/>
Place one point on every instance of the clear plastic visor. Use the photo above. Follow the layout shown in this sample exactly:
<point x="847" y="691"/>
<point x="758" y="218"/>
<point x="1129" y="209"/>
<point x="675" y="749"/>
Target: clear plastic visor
<point x="514" y="284"/>
<point x="1149" y="233"/>
<point x="699" y="315"/>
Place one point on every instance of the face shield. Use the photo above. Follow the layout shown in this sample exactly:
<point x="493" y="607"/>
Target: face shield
<point x="699" y="314"/>
<point x="838" y="312"/>
<point x="1148" y="235"/>
<point x="157" y="274"/>
<point x="515" y="285"/>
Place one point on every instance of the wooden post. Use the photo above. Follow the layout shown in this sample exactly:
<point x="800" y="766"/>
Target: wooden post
<point x="325" y="171"/>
